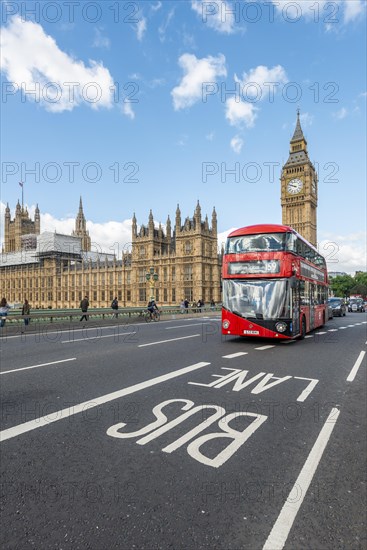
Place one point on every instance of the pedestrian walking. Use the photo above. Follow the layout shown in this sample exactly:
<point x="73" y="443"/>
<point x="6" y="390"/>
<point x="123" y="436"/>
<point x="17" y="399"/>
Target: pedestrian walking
<point x="84" y="304"/>
<point x="26" y="309"/>
<point x="212" y="304"/>
<point x="4" y="308"/>
<point x="186" y="302"/>
<point x="115" y="306"/>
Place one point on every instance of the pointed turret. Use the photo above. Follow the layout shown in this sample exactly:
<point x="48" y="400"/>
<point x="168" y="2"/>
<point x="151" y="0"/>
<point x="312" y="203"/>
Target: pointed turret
<point x="81" y="228"/>
<point x="214" y="221"/>
<point x="37" y="221"/>
<point x="134" y="227"/>
<point x="178" y="219"/>
<point x="151" y="224"/>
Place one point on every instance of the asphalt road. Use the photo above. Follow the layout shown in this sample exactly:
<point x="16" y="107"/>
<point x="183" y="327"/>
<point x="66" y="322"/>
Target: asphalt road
<point x="169" y="436"/>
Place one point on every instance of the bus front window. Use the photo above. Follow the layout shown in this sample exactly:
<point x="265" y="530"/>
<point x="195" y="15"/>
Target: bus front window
<point x="261" y="298"/>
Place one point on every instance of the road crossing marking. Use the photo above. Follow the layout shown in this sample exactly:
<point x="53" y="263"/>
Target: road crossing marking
<point x="356" y="366"/>
<point x="284" y="522"/>
<point x="86" y="405"/>
<point x="233" y="355"/>
<point x="37" y="366"/>
<point x="170" y="340"/>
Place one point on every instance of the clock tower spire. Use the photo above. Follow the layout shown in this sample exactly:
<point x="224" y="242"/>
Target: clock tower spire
<point x="299" y="188"/>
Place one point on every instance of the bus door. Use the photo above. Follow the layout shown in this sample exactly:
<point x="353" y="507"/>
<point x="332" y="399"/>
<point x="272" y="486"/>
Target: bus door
<point x="296" y="302"/>
<point x="313" y="301"/>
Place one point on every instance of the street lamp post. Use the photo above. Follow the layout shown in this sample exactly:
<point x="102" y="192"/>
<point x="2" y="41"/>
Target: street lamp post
<point x="152" y="278"/>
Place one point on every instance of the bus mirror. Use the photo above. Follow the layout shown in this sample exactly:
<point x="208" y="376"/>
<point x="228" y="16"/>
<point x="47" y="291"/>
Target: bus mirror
<point x="293" y="282"/>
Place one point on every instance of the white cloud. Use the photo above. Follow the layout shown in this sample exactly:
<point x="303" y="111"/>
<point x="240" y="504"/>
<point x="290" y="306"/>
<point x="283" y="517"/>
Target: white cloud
<point x="128" y="110"/>
<point x="344" y="252"/>
<point x="210" y="136"/>
<point x="164" y="26"/>
<point x="237" y="144"/>
<point x="196" y="73"/>
<point x="353" y="9"/>
<point x="217" y="15"/>
<point x="261" y="82"/>
<point x="32" y="60"/>
<point x="140" y="28"/>
<point x="256" y="85"/>
<point x="100" y="41"/>
<point x="239" y="113"/>
<point x="342" y="113"/>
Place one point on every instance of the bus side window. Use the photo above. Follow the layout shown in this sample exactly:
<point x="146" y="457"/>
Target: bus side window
<point x="302" y="292"/>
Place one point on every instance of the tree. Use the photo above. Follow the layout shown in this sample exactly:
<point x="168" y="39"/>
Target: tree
<point x="342" y="285"/>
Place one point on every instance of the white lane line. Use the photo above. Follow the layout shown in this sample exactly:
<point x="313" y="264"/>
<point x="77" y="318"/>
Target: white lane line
<point x="41" y="365"/>
<point x="321" y="332"/>
<point x="265" y="347"/>
<point x="309" y="336"/>
<point x="81" y="407"/>
<point x="185" y="326"/>
<point x="350" y="325"/>
<point x="284" y="522"/>
<point x="171" y="340"/>
<point x="332" y="330"/>
<point x="342" y="328"/>
<point x="356" y="366"/>
<point x="233" y="355"/>
<point x="116" y="335"/>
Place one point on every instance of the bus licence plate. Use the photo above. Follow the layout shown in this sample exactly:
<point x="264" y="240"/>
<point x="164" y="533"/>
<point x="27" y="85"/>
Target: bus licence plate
<point x="250" y="332"/>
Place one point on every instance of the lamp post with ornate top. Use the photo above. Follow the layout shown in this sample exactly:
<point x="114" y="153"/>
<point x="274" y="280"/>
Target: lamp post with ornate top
<point x="152" y="278"/>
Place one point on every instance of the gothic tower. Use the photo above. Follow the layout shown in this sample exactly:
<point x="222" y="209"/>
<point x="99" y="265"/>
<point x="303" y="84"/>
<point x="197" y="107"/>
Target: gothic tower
<point x="299" y="188"/>
<point x="15" y="230"/>
<point x="81" y="229"/>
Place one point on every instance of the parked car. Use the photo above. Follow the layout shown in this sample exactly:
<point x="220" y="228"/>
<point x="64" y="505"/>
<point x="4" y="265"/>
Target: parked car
<point x="329" y="311"/>
<point x="338" y="306"/>
<point x="356" y="304"/>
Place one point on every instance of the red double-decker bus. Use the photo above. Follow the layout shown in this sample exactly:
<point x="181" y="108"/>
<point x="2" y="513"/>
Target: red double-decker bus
<point x="275" y="283"/>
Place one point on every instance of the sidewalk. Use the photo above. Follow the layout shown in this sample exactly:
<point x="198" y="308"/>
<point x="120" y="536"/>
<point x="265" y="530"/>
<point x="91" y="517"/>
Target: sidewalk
<point x="37" y="327"/>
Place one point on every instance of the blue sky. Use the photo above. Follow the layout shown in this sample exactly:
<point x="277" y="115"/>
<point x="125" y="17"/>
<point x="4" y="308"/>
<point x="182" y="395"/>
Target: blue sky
<point x="143" y="105"/>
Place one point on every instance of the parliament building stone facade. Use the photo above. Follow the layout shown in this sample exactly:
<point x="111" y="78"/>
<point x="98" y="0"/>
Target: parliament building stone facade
<point x="56" y="271"/>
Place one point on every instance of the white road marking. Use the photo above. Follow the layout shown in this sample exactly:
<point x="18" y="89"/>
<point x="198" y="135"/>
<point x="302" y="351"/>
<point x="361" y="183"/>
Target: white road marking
<point x="332" y="330"/>
<point x="116" y="335"/>
<point x="356" y="366"/>
<point x="306" y="392"/>
<point x="309" y="336"/>
<point x="171" y="340"/>
<point x="342" y="328"/>
<point x="86" y="405"/>
<point x="284" y="522"/>
<point x="265" y="347"/>
<point x="233" y="355"/>
<point x="185" y="326"/>
<point x="350" y="325"/>
<point x="41" y="365"/>
<point x="320" y="332"/>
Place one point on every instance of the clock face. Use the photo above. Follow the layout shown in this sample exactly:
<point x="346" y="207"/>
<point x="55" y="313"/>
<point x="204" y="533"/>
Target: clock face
<point x="294" y="186"/>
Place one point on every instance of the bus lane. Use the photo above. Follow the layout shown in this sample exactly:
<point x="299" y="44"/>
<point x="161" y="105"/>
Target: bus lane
<point x="206" y="460"/>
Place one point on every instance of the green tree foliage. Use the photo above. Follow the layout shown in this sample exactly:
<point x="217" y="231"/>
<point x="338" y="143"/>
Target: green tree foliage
<point x="345" y="285"/>
<point x="342" y="285"/>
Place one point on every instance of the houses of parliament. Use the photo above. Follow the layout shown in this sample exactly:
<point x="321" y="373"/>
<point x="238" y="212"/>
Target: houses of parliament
<point x="57" y="271"/>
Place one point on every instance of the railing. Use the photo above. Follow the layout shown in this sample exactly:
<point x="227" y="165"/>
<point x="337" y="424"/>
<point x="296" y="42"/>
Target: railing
<point x="138" y="313"/>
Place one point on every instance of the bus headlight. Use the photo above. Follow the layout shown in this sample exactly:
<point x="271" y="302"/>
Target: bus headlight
<point x="281" y="327"/>
<point x="226" y="324"/>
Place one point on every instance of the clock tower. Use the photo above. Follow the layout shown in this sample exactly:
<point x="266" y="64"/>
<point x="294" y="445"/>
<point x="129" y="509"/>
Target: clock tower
<point x="299" y="188"/>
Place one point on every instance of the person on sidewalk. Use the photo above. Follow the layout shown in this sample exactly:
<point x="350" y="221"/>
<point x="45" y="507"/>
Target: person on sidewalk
<point x="84" y="304"/>
<point x="4" y="308"/>
<point x="26" y="309"/>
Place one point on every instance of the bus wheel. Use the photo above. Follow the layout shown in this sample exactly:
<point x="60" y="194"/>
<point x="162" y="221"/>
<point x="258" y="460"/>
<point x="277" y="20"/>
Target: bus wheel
<point x="303" y="329"/>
